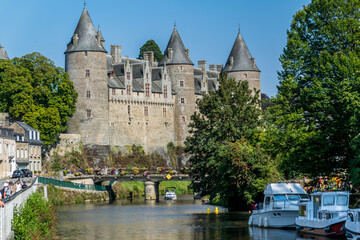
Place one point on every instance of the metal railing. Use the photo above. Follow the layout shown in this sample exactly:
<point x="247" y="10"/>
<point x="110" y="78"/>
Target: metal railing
<point x="66" y="184"/>
<point x="7" y="212"/>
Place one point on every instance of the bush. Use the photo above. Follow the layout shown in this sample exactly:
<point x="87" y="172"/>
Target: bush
<point x="35" y="219"/>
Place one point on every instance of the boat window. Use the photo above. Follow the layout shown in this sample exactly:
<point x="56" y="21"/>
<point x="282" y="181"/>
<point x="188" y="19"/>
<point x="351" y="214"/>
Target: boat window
<point x="302" y="210"/>
<point x="342" y="200"/>
<point x="293" y="197"/>
<point x="267" y="200"/>
<point x="280" y="198"/>
<point x="304" y="196"/>
<point x="328" y="200"/>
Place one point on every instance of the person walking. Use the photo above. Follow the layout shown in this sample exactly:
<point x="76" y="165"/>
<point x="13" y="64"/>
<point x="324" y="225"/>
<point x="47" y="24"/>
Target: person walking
<point x="7" y="190"/>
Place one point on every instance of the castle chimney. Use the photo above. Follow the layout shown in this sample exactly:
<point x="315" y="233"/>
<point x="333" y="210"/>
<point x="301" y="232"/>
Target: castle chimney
<point x="219" y="67"/>
<point x="231" y="62"/>
<point x="170" y="54"/>
<point x="116" y="53"/>
<point x="212" y="67"/>
<point x="149" y="56"/>
<point x="202" y="64"/>
<point x="187" y="53"/>
<point x="253" y="61"/>
<point x="75" y="39"/>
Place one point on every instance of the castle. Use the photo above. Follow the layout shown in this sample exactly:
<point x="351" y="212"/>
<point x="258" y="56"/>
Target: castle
<point x="124" y="101"/>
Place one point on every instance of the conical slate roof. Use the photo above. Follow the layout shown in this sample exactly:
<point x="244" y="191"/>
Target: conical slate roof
<point x="179" y="55"/>
<point x="86" y="36"/>
<point x="242" y="57"/>
<point x="3" y="53"/>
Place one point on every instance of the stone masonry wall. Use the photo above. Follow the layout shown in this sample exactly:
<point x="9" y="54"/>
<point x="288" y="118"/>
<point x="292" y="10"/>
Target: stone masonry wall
<point x="252" y="77"/>
<point x="183" y="111"/>
<point x="93" y="129"/>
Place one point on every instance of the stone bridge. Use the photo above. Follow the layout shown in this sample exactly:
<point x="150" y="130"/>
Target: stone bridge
<point x="151" y="181"/>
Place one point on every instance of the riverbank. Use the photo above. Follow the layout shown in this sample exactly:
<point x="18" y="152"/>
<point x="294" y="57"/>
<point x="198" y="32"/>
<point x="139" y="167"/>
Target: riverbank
<point x="121" y="190"/>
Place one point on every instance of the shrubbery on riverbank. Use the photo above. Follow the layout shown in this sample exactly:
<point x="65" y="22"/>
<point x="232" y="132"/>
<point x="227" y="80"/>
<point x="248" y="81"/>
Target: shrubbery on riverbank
<point x="35" y="219"/>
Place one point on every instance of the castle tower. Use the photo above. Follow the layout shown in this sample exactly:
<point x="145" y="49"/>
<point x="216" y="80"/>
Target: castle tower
<point x="181" y="72"/>
<point x="241" y="65"/>
<point x="85" y="62"/>
<point x="3" y="53"/>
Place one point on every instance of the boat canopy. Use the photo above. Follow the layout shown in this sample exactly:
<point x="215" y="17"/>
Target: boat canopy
<point x="284" y="188"/>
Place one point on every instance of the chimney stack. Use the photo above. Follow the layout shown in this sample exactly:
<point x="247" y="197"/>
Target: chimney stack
<point x="116" y="53"/>
<point x="202" y="64"/>
<point x="149" y="56"/>
<point x="212" y="67"/>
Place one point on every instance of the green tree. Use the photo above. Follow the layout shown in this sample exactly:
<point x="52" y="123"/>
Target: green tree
<point x="223" y="117"/>
<point x="316" y="112"/>
<point x="34" y="90"/>
<point x="151" y="45"/>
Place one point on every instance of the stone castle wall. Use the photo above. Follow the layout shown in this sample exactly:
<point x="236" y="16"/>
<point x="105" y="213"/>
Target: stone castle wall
<point x="93" y="127"/>
<point x="182" y="77"/>
<point x="253" y="78"/>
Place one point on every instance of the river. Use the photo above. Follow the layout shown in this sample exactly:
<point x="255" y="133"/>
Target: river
<point x="170" y="220"/>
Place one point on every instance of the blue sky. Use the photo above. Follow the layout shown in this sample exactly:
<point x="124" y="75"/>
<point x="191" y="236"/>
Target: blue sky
<point x="208" y="28"/>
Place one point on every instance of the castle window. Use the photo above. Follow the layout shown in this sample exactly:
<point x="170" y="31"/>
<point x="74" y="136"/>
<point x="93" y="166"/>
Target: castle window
<point x="113" y="91"/>
<point x="147" y="76"/>
<point x="164" y="112"/>
<point x="128" y="76"/>
<point x="147" y="90"/>
<point x="181" y="68"/>
<point x="245" y="75"/>
<point x="182" y="100"/>
<point x="86" y="53"/>
<point x="88" y="95"/>
<point x="165" y="76"/>
<point x="138" y="93"/>
<point x="87" y="73"/>
<point x="183" y="118"/>
<point x="165" y="92"/>
<point x="128" y="89"/>
<point x="122" y="92"/>
<point x="146" y="111"/>
<point x="181" y="83"/>
<point x="129" y="109"/>
<point x="88" y="113"/>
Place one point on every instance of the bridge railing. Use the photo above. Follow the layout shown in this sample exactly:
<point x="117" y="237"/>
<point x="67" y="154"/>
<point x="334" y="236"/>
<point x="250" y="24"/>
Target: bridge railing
<point x="7" y="212"/>
<point x="67" y="184"/>
<point x="131" y="172"/>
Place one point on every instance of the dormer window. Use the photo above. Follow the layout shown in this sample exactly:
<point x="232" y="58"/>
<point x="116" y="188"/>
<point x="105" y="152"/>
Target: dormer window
<point x="128" y="76"/>
<point x="128" y="89"/>
<point x="165" y="92"/>
<point x="147" y="76"/>
<point x="165" y="76"/>
<point x="147" y="90"/>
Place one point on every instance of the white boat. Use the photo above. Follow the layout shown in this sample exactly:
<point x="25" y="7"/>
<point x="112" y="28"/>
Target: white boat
<point x="170" y="194"/>
<point x="324" y="214"/>
<point x="280" y="207"/>
<point x="352" y="224"/>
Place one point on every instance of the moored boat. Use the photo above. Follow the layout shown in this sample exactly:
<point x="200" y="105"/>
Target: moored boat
<point x="352" y="224"/>
<point x="280" y="207"/>
<point x="170" y="194"/>
<point x="324" y="214"/>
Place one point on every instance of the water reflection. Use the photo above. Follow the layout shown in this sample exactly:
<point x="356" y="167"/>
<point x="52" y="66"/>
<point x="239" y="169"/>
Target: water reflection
<point x="170" y="220"/>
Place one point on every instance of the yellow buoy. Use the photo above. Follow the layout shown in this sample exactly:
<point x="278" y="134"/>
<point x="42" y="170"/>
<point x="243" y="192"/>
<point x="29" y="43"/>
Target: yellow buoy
<point x="216" y="210"/>
<point x="208" y="211"/>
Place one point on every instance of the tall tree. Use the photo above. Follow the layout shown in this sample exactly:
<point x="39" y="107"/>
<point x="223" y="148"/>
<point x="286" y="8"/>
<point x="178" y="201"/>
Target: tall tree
<point x="151" y="45"/>
<point x="316" y="112"/>
<point x="226" y="116"/>
<point x="34" y="90"/>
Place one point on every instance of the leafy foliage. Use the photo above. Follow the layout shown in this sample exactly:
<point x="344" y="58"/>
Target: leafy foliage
<point x="223" y="117"/>
<point x="34" y="220"/>
<point x="316" y="111"/>
<point x="34" y="90"/>
<point x="151" y="45"/>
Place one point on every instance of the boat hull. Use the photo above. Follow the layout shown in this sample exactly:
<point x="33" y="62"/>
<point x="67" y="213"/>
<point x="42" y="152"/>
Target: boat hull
<point x="325" y="230"/>
<point x="274" y="219"/>
<point x="352" y="230"/>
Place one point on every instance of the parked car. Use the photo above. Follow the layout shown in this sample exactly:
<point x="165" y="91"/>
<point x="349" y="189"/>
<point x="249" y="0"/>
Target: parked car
<point x="27" y="172"/>
<point x="18" y="174"/>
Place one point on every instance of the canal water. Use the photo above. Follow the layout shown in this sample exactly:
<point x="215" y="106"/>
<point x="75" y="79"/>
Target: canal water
<point x="170" y="220"/>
